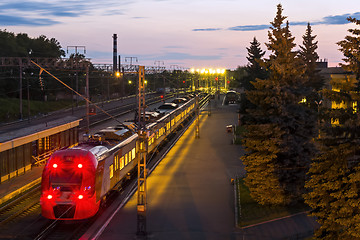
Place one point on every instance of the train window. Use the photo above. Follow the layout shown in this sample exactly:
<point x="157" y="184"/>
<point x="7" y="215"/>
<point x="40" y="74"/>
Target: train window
<point x="126" y="159"/>
<point x="122" y="165"/>
<point x="111" y="170"/>
<point x="116" y="162"/>
<point x="133" y="153"/>
<point x="130" y="156"/>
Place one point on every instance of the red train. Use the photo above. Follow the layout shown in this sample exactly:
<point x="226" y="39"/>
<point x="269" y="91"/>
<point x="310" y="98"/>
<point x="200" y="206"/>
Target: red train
<point x="75" y="180"/>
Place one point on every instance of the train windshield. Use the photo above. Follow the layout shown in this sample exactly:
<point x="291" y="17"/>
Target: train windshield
<point x="67" y="181"/>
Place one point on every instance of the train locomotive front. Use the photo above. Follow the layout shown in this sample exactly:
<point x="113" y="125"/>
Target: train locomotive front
<point x="68" y="185"/>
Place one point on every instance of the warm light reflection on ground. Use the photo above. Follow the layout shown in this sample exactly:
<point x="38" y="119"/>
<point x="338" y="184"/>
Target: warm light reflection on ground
<point x="162" y="177"/>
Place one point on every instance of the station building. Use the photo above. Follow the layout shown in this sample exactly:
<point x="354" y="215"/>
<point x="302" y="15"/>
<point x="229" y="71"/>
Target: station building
<point x="25" y="147"/>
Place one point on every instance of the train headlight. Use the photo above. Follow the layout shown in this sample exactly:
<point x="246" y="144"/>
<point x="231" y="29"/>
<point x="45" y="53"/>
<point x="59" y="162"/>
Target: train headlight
<point x="80" y="165"/>
<point x="49" y="196"/>
<point x="80" y="196"/>
<point x="55" y="165"/>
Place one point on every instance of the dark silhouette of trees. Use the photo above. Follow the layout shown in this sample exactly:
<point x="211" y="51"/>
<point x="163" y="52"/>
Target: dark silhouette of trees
<point x="334" y="183"/>
<point x="21" y="45"/>
<point x="278" y="140"/>
<point x="254" y="71"/>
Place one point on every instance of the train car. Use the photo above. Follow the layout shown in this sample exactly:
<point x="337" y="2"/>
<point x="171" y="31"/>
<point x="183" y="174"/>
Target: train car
<point x="75" y="180"/>
<point x="231" y="97"/>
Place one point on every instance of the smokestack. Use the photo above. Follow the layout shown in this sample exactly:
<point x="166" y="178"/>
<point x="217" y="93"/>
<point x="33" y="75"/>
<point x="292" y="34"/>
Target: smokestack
<point x="115" y="53"/>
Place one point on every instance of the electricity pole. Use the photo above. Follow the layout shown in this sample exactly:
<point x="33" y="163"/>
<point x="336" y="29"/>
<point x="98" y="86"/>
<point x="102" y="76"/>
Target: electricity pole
<point x="142" y="171"/>
<point x="131" y="59"/>
<point x="76" y="67"/>
<point x="158" y="64"/>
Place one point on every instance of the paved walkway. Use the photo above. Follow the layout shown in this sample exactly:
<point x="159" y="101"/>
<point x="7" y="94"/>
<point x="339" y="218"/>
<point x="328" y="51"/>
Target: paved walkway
<point x="190" y="195"/>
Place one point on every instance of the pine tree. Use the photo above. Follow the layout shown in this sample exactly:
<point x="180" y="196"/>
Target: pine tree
<point x="278" y="141"/>
<point x="309" y="57"/>
<point x="334" y="185"/>
<point x="254" y="70"/>
<point x="350" y="47"/>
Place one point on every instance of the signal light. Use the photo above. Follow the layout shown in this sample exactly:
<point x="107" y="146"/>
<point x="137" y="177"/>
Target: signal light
<point x="80" y="196"/>
<point x="49" y="197"/>
<point x="80" y="165"/>
<point x="55" y="165"/>
<point x="162" y="96"/>
<point x="183" y="81"/>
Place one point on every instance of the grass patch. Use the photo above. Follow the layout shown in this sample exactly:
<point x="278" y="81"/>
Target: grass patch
<point x="10" y="108"/>
<point x="238" y="133"/>
<point x="250" y="212"/>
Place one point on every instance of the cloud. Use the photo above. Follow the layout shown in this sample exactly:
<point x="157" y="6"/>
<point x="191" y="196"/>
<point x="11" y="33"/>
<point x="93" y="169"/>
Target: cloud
<point x="173" y="46"/>
<point x="206" y="29"/>
<point x="7" y="20"/>
<point x="45" y="8"/>
<point x="181" y="56"/>
<point x="337" y="19"/>
<point x="249" y="28"/>
<point x="32" y="12"/>
<point x="328" y="20"/>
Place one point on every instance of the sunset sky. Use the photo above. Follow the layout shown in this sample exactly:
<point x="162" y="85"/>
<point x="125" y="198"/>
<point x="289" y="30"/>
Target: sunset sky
<point x="196" y="33"/>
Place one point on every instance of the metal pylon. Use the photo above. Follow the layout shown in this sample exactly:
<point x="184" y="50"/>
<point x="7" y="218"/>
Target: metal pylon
<point x="141" y="197"/>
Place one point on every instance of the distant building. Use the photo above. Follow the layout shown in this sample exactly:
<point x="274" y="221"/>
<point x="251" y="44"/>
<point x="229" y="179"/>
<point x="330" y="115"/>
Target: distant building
<point x="334" y="77"/>
<point x="322" y="63"/>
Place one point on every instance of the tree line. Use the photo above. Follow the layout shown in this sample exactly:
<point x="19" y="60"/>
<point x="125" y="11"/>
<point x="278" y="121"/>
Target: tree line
<point x="298" y="149"/>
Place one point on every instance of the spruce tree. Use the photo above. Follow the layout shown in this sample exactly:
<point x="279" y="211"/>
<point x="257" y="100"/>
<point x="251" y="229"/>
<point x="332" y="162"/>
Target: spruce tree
<point x="254" y="70"/>
<point x="278" y="140"/>
<point x="309" y="57"/>
<point x="350" y="47"/>
<point x="334" y="185"/>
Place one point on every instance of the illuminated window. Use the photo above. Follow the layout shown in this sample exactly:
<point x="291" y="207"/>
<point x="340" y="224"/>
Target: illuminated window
<point x="133" y="153"/>
<point x="150" y="141"/>
<point x="111" y="170"/>
<point x="354" y="105"/>
<point x="126" y="159"/>
<point x="116" y="158"/>
<point x="335" y="121"/>
<point x="122" y="165"/>
<point x="130" y="156"/>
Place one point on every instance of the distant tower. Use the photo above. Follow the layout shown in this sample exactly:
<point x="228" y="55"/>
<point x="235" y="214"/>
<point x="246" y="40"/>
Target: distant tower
<point x="115" y="53"/>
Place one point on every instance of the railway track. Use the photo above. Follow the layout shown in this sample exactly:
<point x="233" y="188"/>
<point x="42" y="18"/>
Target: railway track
<point x="119" y="111"/>
<point x="42" y="228"/>
<point x="62" y="230"/>
<point x="20" y="207"/>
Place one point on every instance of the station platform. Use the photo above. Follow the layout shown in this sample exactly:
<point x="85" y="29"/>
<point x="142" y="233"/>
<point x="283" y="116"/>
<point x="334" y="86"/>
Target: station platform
<point x="190" y="195"/>
<point x="17" y="185"/>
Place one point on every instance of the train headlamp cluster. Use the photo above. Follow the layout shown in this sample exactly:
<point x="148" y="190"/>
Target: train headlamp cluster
<point x="55" y="165"/>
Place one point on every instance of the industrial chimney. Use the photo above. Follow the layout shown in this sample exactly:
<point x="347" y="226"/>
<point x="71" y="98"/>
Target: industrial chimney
<point x="115" y="53"/>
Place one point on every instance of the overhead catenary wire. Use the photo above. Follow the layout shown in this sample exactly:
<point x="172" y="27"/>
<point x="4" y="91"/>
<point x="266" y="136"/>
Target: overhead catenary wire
<point x="85" y="98"/>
